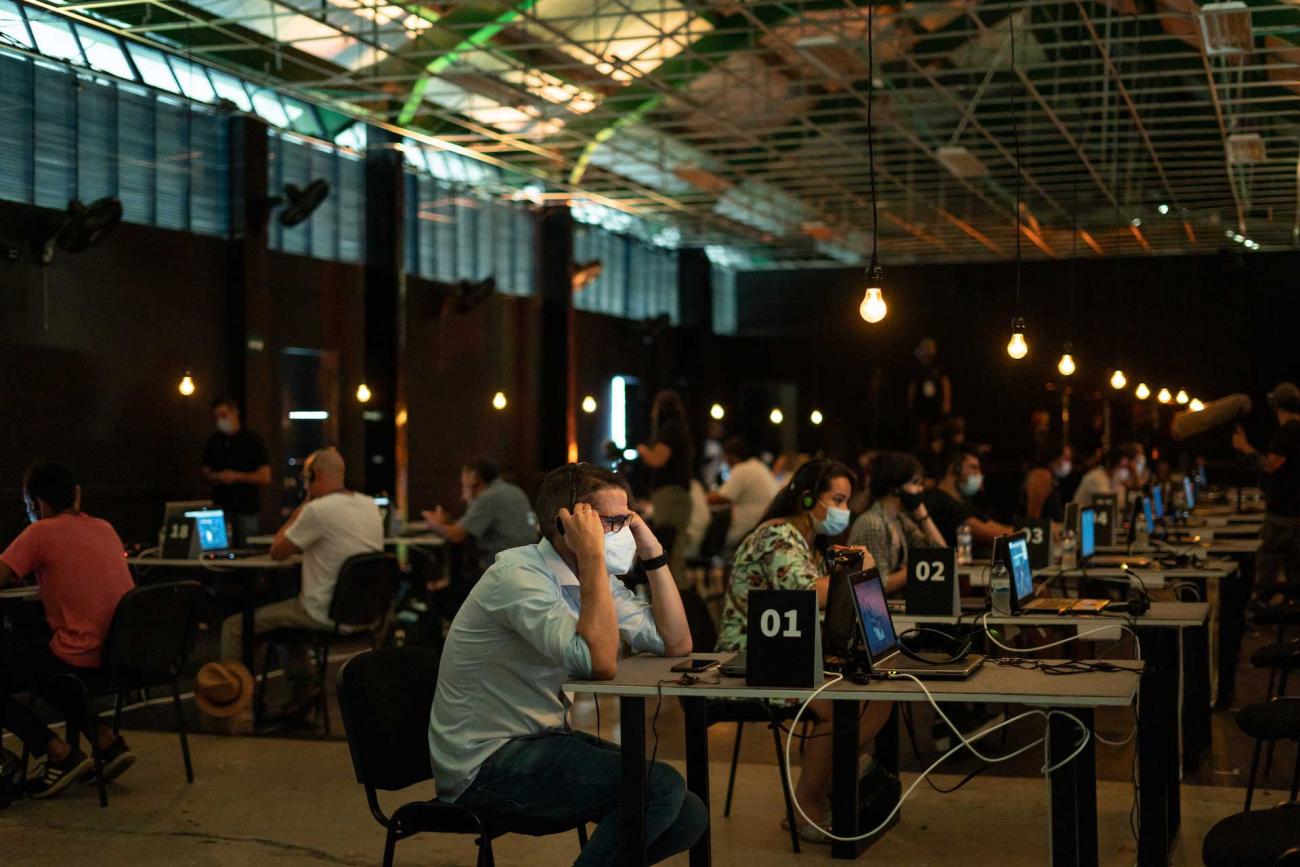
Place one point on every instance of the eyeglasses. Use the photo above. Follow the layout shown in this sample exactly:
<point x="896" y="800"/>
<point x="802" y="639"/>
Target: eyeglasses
<point x="614" y="523"/>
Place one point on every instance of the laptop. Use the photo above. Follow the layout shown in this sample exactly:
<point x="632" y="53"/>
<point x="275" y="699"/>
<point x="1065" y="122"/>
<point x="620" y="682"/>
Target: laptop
<point x="213" y="539"/>
<point x="1014" y="551"/>
<point x="883" y="655"/>
<point x="1189" y="492"/>
<point x="1158" y="501"/>
<point x="1088" y="555"/>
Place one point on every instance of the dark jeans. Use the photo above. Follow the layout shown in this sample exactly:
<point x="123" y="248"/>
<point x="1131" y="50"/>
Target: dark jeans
<point x="29" y="661"/>
<point x="1278" y="561"/>
<point x="574" y="777"/>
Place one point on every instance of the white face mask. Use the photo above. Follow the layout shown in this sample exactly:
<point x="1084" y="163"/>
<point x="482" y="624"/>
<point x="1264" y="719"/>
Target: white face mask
<point x="1140" y="466"/>
<point x="1062" y="469"/>
<point x="620" y="551"/>
<point x="226" y="426"/>
<point x="1121" y="476"/>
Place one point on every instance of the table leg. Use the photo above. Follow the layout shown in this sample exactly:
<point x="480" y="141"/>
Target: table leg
<point x="631" y="711"/>
<point x="1073" y="790"/>
<point x="1157" y="750"/>
<point x="1196" y="696"/>
<point x="1234" y="595"/>
<point x="844" y="779"/>
<point x="697" y="772"/>
<point x="248" y="600"/>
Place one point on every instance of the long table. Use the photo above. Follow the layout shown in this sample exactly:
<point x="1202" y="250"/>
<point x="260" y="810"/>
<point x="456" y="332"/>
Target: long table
<point x="247" y="569"/>
<point x="1073" y="788"/>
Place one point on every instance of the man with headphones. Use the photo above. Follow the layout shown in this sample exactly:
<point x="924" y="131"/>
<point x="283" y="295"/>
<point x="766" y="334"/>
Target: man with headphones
<point x="1279" y="553"/>
<point x="543" y="614"/>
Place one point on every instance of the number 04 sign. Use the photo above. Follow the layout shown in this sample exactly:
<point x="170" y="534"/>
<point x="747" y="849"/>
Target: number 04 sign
<point x="784" y="640"/>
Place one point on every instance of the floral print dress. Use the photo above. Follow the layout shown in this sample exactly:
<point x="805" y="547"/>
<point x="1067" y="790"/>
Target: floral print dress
<point x="773" y="557"/>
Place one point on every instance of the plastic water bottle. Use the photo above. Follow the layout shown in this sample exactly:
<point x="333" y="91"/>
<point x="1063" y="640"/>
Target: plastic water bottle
<point x="1000" y="589"/>
<point x="1069" y="550"/>
<point x="963" y="546"/>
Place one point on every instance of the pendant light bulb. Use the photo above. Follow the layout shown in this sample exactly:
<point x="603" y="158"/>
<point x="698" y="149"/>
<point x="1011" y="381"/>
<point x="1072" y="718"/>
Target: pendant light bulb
<point x="186" y="387"/>
<point x="776" y="416"/>
<point x="363" y="393"/>
<point x="1118" y="380"/>
<point x="717" y="413"/>
<point x="1164" y="396"/>
<point x="1182" y="397"/>
<point x="873" y="307"/>
<point x="1142" y="392"/>
<point x="1195" y="405"/>
<point x="589" y="404"/>
<point x="1066" y="365"/>
<point x="1017" y="347"/>
<point x="499" y="401"/>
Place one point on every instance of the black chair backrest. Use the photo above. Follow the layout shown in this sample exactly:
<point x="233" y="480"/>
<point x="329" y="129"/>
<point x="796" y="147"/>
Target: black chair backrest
<point x="704" y="634"/>
<point x="154" y="628"/>
<point x="385" y="697"/>
<point x="715" y="538"/>
<point x="365" y="589"/>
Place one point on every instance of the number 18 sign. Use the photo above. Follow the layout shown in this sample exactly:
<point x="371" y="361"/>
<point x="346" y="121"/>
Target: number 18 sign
<point x="783" y="640"/>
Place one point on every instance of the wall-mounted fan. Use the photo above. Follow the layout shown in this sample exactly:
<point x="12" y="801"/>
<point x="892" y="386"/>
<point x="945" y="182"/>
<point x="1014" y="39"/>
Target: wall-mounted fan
<point x="78" y="228"/>
<point x="461" y="296"/>
<point x="582" y="274"/>
<point x="298" y="202"/>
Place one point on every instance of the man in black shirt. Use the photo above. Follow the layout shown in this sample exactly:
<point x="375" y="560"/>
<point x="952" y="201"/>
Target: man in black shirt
<point x="951" y="504"/>
<point x="929" y="391"/>
<point x="234" y="463"/>
<point x="670" y="458"/>
<point x="1279" y="551"/>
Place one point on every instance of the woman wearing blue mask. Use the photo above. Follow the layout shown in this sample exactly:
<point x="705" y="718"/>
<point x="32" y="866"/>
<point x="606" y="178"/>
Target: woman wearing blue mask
<point x="784" y="552"/>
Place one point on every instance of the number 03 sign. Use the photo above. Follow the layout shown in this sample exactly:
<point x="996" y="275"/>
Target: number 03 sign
<point x="784" y="640"/>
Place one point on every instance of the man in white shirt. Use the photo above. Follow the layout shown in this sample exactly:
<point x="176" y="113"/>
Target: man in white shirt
<point x="330" y="526"/>
<point x="499" y="734"/>
<point x="749" y="490"/>
<point x="1106" y="478"/>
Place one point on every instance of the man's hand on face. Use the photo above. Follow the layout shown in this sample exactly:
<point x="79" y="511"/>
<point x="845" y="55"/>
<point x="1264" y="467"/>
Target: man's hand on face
<point x="583" y="532"/>
<point x="647" y="546"/>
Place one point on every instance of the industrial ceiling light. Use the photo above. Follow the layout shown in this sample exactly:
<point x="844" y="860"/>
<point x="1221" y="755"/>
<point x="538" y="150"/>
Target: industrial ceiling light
<point x="1164" y="396"/>
<point x="873" y="307"/>
<point x="363" y="393"/>
<point x="186" y="386"/>
<point x="1182" y="397"/>
<point x="1017" y="347"/>
<point x="1226" y="28"/>
<point x="1066" y="366"/>
<point x="717" y="413"/>
<point x="1142" y="392"/>
<point x="1118" y="380"/>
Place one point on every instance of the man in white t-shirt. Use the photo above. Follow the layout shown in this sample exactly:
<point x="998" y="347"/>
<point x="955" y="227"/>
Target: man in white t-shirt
<point x="330" y="526"/>
<point x="749" y="490"/>
<point x="1108" y="477"/>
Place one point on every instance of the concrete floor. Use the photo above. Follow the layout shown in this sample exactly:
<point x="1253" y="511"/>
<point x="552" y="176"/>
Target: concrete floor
<point x="270" y="801"/>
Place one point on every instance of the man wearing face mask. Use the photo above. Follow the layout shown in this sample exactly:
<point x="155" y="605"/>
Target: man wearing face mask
<point x="1108" y="477"/>
<point x="79" y="567"/>
<point x="1049" y="467"/>
<point x="499" y="733"/>
<point x="898" y="519"/>
<point x="235" y="465"/>
<point x="951" y="502"/>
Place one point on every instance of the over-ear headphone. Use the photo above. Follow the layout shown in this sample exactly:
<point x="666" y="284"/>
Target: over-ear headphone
<point x="573" y="470"/>
<point x="958" y="647"/>
<point x="808" y="493"/>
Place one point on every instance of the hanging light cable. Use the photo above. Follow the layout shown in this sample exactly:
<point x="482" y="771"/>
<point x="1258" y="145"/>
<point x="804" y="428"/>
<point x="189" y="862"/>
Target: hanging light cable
<point x="1017" y="347"/>
<point x="1066" y="365"/>
<point x="873" y="307"/>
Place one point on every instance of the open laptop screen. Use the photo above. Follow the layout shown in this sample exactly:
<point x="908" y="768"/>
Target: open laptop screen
<point x="1158" y="500"/>
<point x="1189" y="492"/>
<point x="1087" y="533"/>
<point x="1149" y="515"/>
<point x="873" y="614"/>
<point x="210" y="524"/>
<point x="1022" y="577"/>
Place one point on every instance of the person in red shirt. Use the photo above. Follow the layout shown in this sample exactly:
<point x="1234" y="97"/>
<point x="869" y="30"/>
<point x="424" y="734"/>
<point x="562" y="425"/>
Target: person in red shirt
<point x="82" y="573"/>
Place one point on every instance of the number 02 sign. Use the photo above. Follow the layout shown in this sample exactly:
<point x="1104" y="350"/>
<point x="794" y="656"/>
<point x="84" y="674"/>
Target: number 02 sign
<point x="784" y="640"/>
<point x="932" y="586"/>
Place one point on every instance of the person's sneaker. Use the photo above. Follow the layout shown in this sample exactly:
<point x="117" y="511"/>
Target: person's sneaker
<point x="117" y="758"/>
<point x="57" y="776"/>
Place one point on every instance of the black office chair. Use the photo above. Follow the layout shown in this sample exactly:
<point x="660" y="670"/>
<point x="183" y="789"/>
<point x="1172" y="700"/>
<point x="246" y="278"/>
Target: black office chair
<point x="385" y="697"/>
<point x="1283" y="615"/>
<point x="1274" y="720"/>
<point x="1264" y="838"/>
<point x="150" y="639"/>
<point x="704" y="637"/>
<point x="363" y="595"/>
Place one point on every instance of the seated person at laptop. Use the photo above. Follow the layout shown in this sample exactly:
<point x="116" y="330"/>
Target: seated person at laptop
<point x="82" y="574"/>
<point x="499" y="734"/>
<point x="498" y="515"/>
<point x="330" y="526"/>
<point x="951" y="502"/>
<point x="1107" y="477"/>
<point x="1040" y="495"/>
<point x="748" y="490"/>
<point x="897" y="519"/>
<point x="784" y="553"/>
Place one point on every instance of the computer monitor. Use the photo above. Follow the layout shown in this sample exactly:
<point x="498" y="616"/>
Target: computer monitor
<point x="175" y="537"/>
<point x="873" y="616"/>
<point x="1148" y="514"/>
<point x="385" y="510"/>
<point x="210" y="527"/>
<point x="1189" y="491"/>
<point x="1158" y="500"/>
<point x="1087" y="533"/>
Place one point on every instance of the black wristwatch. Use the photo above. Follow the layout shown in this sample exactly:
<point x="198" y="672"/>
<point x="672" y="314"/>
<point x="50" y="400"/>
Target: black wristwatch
<point x="655" y="562"/>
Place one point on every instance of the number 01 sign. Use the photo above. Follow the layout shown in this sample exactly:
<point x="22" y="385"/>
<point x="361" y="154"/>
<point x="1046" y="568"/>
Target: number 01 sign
<point x="784" y="640"/>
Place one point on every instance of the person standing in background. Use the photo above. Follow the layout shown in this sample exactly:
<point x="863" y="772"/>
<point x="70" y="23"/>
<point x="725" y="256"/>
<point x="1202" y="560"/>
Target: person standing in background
<point x="1279" y="551"/>
<point x="235" y="465"/>
<point x="670" y="456"/>
<point x="929" y="391"/>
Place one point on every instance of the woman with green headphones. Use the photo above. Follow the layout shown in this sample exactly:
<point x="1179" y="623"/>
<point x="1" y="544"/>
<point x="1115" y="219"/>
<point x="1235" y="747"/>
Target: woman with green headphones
<point x="784" y="552"/>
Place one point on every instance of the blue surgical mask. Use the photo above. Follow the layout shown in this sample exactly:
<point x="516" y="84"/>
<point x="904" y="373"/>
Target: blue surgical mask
<point x="620" y="551"/>
<point x="835" y="522"/>
<point x="972" y="484"/>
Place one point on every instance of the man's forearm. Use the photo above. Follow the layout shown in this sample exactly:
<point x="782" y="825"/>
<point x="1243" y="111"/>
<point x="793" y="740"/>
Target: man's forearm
<point x="669" y="614"/>
<point x="597" y="623"/>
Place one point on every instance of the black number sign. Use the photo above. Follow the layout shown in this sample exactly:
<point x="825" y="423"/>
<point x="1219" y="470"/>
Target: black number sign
<point x="1106" y="512"/>
<point x="784" y="642"/>
<point x="1039" y="534"/>
<point x="932" y="586"/>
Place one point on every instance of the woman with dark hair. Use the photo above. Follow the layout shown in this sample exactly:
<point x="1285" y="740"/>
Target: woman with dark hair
<point x="670" y="457"/>
<point x="784" y="552"/>
<point x="898" y="519"/>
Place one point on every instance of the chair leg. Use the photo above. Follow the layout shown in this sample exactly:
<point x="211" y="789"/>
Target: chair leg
<point x="180" y="730"/>
<point x="322" y="673"/>
<point x="1272" y="683"/>
<point x="1295" y="774"/>
<point x="1250" y="781"/>
<point x="259" y="700"/>
<point x="785" y="789"/>
<point x="92" y="734"/>
<point x="117" y="712"/>
<point x="390" y="844"/>
<point x="485" y="857"/>
<point x="582" y="829"/>
<point x="731" y="780"/>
